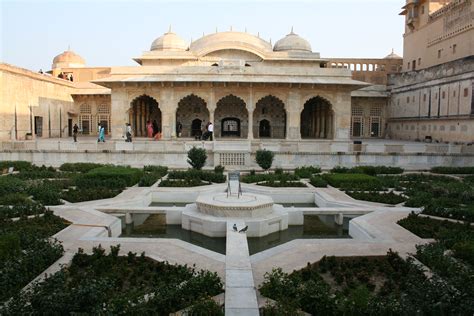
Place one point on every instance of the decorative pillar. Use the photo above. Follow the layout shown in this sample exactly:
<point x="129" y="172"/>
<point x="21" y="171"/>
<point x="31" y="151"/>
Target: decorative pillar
<point x="250" y="109"/>
<point x="118" y="118"/>
<point x="322" y="132"/>
<point x="294" y="108"/>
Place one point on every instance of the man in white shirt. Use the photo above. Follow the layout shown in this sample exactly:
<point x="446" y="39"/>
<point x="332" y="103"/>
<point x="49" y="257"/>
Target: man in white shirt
<point x="210" y="129"/>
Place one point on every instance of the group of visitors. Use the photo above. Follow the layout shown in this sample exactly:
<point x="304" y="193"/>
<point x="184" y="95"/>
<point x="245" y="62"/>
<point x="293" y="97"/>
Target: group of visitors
<point x="64" y="76"/>
<point x="153" y="130"/>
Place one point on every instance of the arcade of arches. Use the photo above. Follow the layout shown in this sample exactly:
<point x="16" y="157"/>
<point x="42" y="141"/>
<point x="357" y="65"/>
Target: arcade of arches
<point x="231" y="117"/>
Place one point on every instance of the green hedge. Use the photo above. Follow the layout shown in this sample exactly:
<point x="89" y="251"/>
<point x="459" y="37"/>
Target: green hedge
<point x="26" y="251"/>
<point x="17" y="165"/>
<point x="28" y="209"/>
<point x="386" y="198"/>
<point x="269" y="177"/>
<point x="84" y="194"/>
<point x="318" y="182"/>
<point x="307" y="172"/>
<point x="193" y="174"/>
<point x="354" y="181"/>
<point x="10" y="184"/>
<point x="453" y="170"/>
<point x="109" y="284"/>
<point x="152" y="174"/>
<point x="283" y="184"/>
<point x="182" y="183"/>
<point x="81" y="167"/>
<point x="370" y="170"/>
<point x="109" y="177"/>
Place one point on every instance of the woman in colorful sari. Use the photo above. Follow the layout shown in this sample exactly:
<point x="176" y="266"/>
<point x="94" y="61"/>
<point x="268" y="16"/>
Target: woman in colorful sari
<point x="149" y="129"/>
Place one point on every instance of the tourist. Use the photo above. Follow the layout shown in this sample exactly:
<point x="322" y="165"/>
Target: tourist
<point x="128" y="132"/>
<point x="210" y="130"/>
<point x="75" y="129"/>
<point x="179" y="128"/>
<point x="71" y="77"/>
<point x="98" y="132"/>
<point x="149" y="129"/>
<point x="102" y="134"/>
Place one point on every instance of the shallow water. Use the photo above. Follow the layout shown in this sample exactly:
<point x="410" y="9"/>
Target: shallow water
<point x="316" y="227"/>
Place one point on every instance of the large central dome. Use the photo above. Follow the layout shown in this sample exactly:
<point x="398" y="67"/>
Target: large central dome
<point x="230" y="40"/>
<point x="169" y="41"/>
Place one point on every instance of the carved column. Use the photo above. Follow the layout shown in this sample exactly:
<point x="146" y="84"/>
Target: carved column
<point x="250" y="109"/>
<point x="294" y="108"/>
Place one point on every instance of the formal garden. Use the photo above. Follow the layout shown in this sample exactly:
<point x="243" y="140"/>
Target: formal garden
<point x="437" y="279"/>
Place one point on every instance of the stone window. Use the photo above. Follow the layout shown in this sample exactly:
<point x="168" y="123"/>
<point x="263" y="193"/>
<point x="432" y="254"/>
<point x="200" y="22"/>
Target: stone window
<point x="419" y="61"/>
<point x="452" y="128"/>
<point x="85" y="108"/>
<point x="439" y="53"/>
<point x="444" y="95"/>
<point x="454" y="48"/>
<point x="424" y="97"/>
<point x="454" y="93"/>
<point x="466" y="92"/>
<point x="408" y="100"/>
<point x="103" y="109"/>
<point x="357" y="111"/>
<point x="376" y="111"/>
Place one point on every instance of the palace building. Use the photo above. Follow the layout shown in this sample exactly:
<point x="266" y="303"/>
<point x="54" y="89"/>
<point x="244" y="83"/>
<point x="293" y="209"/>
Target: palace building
<point x="253" y="90"/>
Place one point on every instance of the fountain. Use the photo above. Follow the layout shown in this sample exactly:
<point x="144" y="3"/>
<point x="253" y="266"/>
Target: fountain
<point x="211" y="212"/>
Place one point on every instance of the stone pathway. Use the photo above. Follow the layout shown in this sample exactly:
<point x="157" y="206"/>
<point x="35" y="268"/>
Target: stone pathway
<point x="240" y="292"/>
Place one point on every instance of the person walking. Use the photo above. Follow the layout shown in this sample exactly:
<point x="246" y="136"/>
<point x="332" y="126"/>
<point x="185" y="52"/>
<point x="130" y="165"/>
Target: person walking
<point x="102" y="134"/>
<point x="98" y="132"/>
<point x="75" y="130"/>
<point x="210" y="130"/>
<point x="128" y="132"/>
<point x="179" y="129"/>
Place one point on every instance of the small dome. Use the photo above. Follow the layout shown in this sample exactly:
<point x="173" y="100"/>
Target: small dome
<point x="169" y="41"/>
<point x="292" y="42"/>
<point x="392" y="55"/>
<point x="68" y="59"/>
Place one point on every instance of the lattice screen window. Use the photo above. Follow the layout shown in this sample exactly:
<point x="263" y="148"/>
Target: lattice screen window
<point x="85" y="121"/>
<point x="357" y="111"/>
<point x="375" y="126"/>
<point x="357" y="126"/>
<point x="232" y="159"/>
<point x="375" y="111"/>
<point x="106" y="118"/>
<point x="103" y="109"/>
<point x="85" y="108"/>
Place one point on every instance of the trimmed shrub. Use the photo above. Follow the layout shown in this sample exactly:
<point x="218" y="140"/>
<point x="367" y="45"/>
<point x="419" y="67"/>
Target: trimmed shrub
<point x="318" y="182"/>
<point x="370" y="170"/>
<point x="162" y="170"/>
<point x="193" y="174"/>
<point x="46" y="193"/>
<point x="307" y="172"/>
<point x="17" y="165"/>
<point x="81" y="195"/>
<point x="182" y="183"/>
<point x="354" y="181"/>
<point x="453" y="170"/>
<point x="81" y="167"/>
<point x="265" y="177"/>
<point x="386" y="198"/>
<point x="219" y="169"/>
<point x="15" y="199"/>
<point x="264" y="158"/>
<point x="197" y="157"/>
<point x="152" y="174"/>
<point x="10" y="184"/>
<point x="109" y="177"/>
<point x="42" y="172"/>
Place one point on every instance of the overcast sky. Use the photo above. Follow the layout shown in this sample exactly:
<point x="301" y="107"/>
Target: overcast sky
<point x="111" y="33"/>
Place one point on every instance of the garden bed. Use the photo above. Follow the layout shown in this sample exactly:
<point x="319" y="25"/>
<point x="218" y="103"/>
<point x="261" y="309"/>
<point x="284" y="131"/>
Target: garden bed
<point x="379" y="197"/>
<point x="26" y="250"/>
<point x="385" y="285"/>
<point x="111" y="284"/>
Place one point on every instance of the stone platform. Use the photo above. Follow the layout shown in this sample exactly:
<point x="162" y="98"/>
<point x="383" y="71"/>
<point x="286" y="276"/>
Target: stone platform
<point x="246" y="205"/>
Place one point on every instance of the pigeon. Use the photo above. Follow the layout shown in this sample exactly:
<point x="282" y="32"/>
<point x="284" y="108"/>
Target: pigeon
<point x="243" y="230"/>
<point x="234" y="227"/>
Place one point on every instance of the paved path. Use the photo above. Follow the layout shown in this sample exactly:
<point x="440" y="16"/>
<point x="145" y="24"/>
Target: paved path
<point x="240" y="293"/>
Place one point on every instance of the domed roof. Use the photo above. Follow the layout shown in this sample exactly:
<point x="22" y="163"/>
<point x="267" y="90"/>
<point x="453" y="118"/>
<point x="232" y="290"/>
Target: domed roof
<point x="230" y="40"/>
<point x="392" y="55"/>
<point x="169" y="41"/>
<point x="292" y="42"/>
<point x="68" y="59"/>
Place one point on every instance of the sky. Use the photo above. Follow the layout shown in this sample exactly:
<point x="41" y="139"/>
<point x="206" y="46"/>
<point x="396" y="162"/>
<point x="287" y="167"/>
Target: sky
<point x="112" y="32"/>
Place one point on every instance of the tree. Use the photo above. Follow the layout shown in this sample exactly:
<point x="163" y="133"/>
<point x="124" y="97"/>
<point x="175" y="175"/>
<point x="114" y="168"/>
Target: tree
<point x="264" y="158"/>
<point x="197" y="157"/>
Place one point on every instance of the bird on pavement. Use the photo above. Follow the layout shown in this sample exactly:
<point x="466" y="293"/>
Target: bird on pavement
<point x="243" y="230"/>
<point x="234" y="227"/>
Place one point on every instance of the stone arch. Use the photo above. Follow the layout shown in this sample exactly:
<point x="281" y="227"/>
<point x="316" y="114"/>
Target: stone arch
<point x="143" y="109"/>
<point x="231" y="110"/>
<point x="316" y="119"/>
<point x="191" y="108"/>
<point x="271" y="109"/>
